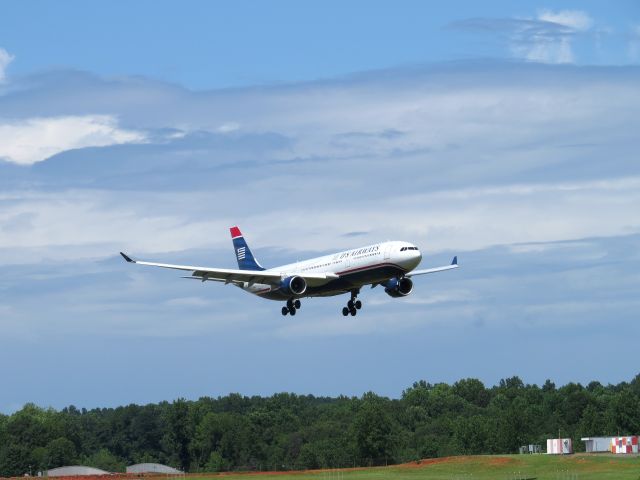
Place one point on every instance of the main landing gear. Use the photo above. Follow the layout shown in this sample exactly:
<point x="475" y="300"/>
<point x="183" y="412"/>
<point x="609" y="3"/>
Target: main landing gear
<point x="292" y="306"/>
<point x="353" y="305"/>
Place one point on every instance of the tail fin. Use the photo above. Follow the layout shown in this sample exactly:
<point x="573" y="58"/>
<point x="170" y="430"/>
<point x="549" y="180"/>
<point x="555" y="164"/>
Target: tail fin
<point x="246" y="260"/>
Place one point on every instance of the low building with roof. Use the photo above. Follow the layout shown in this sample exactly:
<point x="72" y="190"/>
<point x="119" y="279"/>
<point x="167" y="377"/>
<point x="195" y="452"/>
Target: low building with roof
<point x="153" y="468"/>
<point x="597" y="444"/>
<point x="74" y="470"/>
<point x="627" y="444"/>
<point x="559" y="446"/>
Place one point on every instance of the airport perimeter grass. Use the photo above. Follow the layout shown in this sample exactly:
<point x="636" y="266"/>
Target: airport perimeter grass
<point x="490" y="467"/>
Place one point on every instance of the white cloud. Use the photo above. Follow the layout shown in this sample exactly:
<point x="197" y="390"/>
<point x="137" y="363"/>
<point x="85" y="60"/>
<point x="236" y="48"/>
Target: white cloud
<point x="228" y="127"/>
<point x="545" y="50"/>
<point x="546" y="38"/>
<point x="452" y="160"/>
<point x="450" y="165"/>
<point x="549" y="38"/>
<point x="196" y="302"/>
<point x="5" y="59"/>
<point x="35" y="139"/>
<point x="545" y="247"/>
<point x="97" y="224"/>
<point x="574" y="19"/>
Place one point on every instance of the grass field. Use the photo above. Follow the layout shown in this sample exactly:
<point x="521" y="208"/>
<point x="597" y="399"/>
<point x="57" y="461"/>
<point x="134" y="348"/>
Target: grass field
<point x="498" y="467"/>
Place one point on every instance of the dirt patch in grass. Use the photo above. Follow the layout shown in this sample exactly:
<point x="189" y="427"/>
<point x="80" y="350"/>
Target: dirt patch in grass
<point x="500" y="461"/>
<point x="487" y="461"/>
<point x="426" y="462"/>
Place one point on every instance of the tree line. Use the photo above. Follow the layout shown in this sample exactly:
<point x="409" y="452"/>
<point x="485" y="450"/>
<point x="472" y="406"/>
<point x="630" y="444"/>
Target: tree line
<point x="288" y="431"/>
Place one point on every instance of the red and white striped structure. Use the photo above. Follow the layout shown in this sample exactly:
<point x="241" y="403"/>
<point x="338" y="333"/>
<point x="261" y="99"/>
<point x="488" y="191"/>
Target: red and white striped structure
<point x="559" y="446"/>
<point x="624" y="444"/>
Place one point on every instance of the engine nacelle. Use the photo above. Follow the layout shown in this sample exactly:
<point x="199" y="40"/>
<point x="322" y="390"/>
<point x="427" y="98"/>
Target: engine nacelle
<point x="398" y="287"/>
<point x="294" y="285"/>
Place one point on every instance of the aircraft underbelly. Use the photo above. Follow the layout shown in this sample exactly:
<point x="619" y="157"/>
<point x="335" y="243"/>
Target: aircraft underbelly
<point x="345" y="283"/>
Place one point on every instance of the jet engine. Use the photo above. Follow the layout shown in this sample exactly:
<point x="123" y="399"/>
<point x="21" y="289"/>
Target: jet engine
<point x="294" y="285"/>
<point x="398" y="287"/>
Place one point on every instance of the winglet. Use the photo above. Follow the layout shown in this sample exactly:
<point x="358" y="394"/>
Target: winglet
<point x="455" y="260"/>
<point x="127" y="258"/>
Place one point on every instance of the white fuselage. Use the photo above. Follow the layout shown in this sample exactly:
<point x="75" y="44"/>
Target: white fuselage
<point x="354" y="268"/>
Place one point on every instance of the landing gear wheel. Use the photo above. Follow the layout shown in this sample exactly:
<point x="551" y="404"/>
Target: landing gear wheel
<point x="290" y="304"/>
<point x="353" y="305"/>
<point x="285" y="310"/>
<point x="292" y="311"/>
<point x="296" y="304"/>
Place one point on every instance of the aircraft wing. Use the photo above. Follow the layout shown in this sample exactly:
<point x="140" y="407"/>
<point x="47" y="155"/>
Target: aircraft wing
<point x="454" y="264"/>
<point x="266" y="277"/>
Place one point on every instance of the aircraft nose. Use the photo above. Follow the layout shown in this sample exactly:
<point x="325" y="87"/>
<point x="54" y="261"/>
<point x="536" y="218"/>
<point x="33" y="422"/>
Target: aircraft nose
<point x="415" y="258"/>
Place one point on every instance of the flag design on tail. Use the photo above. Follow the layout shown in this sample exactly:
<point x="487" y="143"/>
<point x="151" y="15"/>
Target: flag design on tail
<point x="246" y="260"/>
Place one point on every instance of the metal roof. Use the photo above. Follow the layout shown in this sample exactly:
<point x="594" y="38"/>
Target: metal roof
<point x="73" y="470"/>
<point x="151" y="468"/>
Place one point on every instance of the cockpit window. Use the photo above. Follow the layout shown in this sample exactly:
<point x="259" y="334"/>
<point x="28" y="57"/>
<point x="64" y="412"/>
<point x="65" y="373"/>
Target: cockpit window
<point x="408" y="248"/>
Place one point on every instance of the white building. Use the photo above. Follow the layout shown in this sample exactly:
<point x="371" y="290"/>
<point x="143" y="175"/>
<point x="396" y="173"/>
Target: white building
<point x="597" y="444"/>
<point x="559" y="446"/>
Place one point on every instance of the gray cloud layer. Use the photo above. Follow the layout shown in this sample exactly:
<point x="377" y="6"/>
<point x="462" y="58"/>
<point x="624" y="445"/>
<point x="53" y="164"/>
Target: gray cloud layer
<point x="530" y="172"/>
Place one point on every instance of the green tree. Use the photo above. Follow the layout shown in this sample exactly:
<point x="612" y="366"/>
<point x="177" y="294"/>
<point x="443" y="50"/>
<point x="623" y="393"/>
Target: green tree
<point x="39" y="459"/>
<point x="216" y="463"/>
<point x="473" y="391"/>
<point x="62" y="452"/>
<point x="177" y="436"/>
<point x="623" y="414"/>
<point x="373" y="430"/>
<point x="105" y="460"/>
<point x="14" y="460"/>
<point x="470" y="435"/>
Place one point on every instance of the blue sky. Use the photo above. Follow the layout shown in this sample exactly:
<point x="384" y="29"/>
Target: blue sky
<point x="226" y="44"/>
<point x="502" y="132"/>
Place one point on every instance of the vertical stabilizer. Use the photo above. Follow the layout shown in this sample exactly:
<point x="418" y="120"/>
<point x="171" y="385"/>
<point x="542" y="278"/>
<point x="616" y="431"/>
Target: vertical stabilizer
<point x="246" y="260"/>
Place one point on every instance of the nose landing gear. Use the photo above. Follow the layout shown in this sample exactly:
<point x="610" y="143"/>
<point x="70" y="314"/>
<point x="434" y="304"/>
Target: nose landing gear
<point x="292" y="307"/>
<point x="353" y="305"/>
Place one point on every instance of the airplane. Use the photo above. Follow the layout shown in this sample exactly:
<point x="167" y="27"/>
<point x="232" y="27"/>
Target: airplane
<point x="388" y="264"/>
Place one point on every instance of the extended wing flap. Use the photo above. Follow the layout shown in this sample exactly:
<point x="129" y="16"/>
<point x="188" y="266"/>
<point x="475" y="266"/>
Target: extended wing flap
<point x="204" y="279"/>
